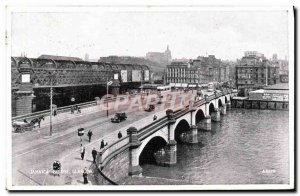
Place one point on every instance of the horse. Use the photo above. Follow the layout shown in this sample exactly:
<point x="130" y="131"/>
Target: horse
<point x="37" y="120"/>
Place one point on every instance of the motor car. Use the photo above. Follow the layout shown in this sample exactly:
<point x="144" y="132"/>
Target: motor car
<point x="119" y="117"/>
<point x="160" y="100"/>
<point x="149" y="108"/>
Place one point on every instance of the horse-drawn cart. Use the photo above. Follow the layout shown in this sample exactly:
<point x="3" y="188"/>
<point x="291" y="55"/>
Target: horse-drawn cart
<point x="20" y="126"/>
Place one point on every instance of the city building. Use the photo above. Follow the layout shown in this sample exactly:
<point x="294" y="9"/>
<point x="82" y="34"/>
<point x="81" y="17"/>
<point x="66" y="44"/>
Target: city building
<point x="254" y="71"/>
<point x="162" y="58"/>
<point x="198" y="71"/>
<point x="212" y="69"/>
<point x="182" y="74"/>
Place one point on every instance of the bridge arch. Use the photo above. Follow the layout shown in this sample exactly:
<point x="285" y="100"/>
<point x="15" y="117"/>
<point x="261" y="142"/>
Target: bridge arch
<point x="182" y="126"/>
<point x="146" y="156"/>
<point x="199" y="116"/>
<point x="25" y="60"/>
<point x="220" y="104"/>
<point x="211" y="108"/>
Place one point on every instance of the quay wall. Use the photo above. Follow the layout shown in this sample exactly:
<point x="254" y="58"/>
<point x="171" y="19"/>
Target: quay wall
<point x="116" y="169"/>
<point x="259" y="104"/>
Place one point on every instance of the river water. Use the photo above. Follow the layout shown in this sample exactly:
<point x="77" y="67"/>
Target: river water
<point x="246" y="147"/>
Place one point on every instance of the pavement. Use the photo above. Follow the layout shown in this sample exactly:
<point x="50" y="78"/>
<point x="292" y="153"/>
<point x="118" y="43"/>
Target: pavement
<point x="34" y="152"/>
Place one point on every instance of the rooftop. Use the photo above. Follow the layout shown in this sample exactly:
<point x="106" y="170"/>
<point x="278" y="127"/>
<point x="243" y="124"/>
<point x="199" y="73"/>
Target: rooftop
<point x="279" y="86"/>
<point x="54" y="57"/>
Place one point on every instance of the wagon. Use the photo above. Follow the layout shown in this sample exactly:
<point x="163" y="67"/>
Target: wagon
<point x="20" y="126"/>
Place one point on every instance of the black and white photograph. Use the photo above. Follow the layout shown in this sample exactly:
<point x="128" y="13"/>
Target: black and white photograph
<point x="150" y="98"/>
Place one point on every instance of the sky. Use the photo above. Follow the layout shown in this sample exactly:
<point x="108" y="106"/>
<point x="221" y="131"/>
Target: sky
<point x="225" y="34"/>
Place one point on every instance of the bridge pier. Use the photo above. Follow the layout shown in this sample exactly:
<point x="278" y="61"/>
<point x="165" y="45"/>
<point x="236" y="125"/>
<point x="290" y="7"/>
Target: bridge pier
<point x="134" y="167"/>
<point x="223" y="109"/>
<point x="215" y="116"/>
<point x="228" y="106"/>
<point x="192" y="135"/>
<point x="205" y="124"/>
<point x="115" y="87"/>
<point x="25" y="93"/>
<point x="171" y="153"/>
<point x="24" y="103"/>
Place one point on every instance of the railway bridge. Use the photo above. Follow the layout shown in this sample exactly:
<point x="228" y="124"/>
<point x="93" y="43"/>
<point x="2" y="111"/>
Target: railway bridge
<point x="72" y="79"/>
<point x="156" y="142"/>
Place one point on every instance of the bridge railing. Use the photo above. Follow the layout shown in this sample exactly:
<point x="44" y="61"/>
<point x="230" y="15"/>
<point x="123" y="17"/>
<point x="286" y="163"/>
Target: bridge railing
<point x="59" y="110"/>
<point x="148" y="129"/>
<point x="47" y="112"/>
<point x="108" y="152"/>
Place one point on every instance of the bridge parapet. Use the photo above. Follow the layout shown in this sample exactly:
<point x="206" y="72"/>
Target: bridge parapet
<point x="111" y="150"/>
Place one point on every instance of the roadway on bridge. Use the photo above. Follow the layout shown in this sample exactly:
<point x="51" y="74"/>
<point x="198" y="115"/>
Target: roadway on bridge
<point x="33" y="153"/>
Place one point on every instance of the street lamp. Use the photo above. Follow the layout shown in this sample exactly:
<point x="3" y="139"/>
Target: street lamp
<point x="51" y="98"/>
<point x="108" y="83"/>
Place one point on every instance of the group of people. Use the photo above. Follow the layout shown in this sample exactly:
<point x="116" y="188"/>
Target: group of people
<point x="56" y="168"/>
<point x="76" y="108"/>
<point x="82" y="153"/>
<point x="57" y="164"/>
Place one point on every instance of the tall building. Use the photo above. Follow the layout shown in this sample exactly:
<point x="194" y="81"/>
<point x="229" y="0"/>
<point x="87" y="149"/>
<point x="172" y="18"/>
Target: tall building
<point x="163" y="58"/>
<point x="254" y="71"/>
<point x="198" y="71"/>
<point x="182" y="74"/>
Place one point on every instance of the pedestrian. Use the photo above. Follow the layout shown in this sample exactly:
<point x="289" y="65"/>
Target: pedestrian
<point x="78" y="110"/>
<point x="39" y="123"/>
<point x="94" y="154"/>
<point x="119" y="135"/>
<point x="85" y="180"/>
<point x="102" y="144"/>
<point x="82" y="151"/>
<point x="54" y="113"/>
<point x="89" y="134"/>
<point x="72" y="109"/>
<point x="154" y="117"/>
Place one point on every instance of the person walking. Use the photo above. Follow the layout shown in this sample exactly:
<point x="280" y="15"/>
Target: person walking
<point x="119" y="135"/>
<point x="102" y="144"/>
<point x="154" y="117"/>
<point x="89" y="134"/>
<point x="72" y="109"/>
<point x="78" y="110"/>
<point x="85" y="180"/>
<point x="82" y="151"/>
<point x="94" y="154"/>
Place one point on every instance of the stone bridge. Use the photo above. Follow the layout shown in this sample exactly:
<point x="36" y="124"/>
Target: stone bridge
<point x="157" y="142"/>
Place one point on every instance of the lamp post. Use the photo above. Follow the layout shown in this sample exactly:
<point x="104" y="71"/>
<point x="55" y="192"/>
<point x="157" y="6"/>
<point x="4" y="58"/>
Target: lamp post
<point x="266" y="74"/>
<point x="51" y="97"/>
<point x="51" y="102"/>
<point x="107" y="85"/>
<point x="107" y="95"/>
<point x="106" y="98"/>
